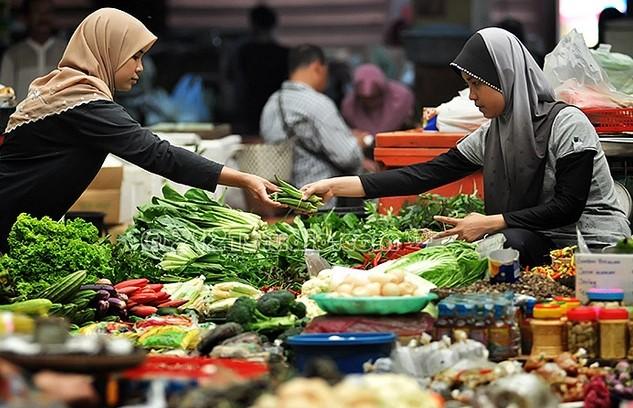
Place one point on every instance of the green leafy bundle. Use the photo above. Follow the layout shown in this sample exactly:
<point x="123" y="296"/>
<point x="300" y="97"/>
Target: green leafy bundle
<point x="293" y="198"/>
<point x="452" y="265"/>
<point x="43" y="251"/>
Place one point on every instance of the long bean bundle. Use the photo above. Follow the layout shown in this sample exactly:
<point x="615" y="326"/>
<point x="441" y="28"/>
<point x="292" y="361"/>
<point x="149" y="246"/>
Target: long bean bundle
<point x="293" y="198"/>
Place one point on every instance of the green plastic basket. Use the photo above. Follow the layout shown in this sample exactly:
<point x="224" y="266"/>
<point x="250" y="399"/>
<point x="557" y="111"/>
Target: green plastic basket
<point x="374" y="305"/>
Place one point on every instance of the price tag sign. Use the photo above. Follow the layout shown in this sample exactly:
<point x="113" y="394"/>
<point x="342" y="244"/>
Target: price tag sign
<point x="604" y="271"/>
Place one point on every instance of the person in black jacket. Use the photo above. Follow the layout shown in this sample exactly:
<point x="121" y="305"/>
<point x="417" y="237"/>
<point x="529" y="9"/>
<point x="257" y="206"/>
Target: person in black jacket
<point x="544" y="169"/>
<point x="59" y="136"/>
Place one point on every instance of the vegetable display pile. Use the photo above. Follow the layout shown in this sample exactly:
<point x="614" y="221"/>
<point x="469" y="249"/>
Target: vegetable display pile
<point x="42" y="252"/>
<point x="184" y="236"/>
<point x="293" y="198"/>
<point x="179" y="237"/>
<point x="342" y="239"/>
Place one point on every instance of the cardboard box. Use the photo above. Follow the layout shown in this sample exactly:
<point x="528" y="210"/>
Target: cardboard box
<point x="108" y="178"/>
<point x="105" y="201"/>
<point x="606" y="271"/>
<point x="103" y="194"/>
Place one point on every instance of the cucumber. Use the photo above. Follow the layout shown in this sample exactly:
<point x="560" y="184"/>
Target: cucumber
<point x="36" y="307"/>
<point x="65" y="288"/>
<point x="84" y="298"/>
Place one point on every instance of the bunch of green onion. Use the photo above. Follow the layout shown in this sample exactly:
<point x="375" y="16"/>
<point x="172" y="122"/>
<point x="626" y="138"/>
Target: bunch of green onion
<point x="293" y="198"/>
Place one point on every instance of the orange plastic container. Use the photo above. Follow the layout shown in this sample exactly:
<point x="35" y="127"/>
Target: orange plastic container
<point x="399" y="149"/>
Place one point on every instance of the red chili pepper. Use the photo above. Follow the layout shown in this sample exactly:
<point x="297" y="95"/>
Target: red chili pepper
<point x="377" y="259"/>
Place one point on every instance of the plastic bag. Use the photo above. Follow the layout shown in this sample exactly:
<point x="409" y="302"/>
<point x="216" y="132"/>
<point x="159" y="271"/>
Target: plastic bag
<point x="578" y="79"/>
<point x="459" y="114"/>
<point x="189" y="96"/>
<point x="618" y="66"/>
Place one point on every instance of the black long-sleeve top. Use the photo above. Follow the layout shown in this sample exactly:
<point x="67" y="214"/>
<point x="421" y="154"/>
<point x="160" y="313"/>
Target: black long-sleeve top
<point x="573" y="181"/>
<point x="46" y="165"/>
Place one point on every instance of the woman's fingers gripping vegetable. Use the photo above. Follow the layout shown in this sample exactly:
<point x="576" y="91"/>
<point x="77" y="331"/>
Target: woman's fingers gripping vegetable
<point x="472" y="227"/>
<point x="259" y="188"/>
<point x="321" y="188"/>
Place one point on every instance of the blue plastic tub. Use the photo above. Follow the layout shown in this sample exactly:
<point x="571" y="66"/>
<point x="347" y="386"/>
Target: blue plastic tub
<point x="348" y="350"/>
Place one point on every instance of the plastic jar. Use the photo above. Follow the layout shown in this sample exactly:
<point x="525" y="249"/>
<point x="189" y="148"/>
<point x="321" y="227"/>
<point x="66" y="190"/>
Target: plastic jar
<point x="567" y="302"/>
<point x="608" y="298"/>
<point x="613" y="332"/>
<point x="547" y="330"/>
<point x="582" y="330"/>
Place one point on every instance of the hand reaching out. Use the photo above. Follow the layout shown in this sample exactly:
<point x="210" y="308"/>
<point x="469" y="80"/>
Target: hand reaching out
<point x="472" y="227"/>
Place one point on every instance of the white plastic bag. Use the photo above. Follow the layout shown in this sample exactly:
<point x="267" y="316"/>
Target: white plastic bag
<point x="578" y="79"/>
<point x="459" y="114"/>
<point x="618" y="66"/>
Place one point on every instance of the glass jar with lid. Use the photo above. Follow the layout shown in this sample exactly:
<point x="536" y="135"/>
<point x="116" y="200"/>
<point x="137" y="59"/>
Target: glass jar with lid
<point x="547" y="330"/>
<point x="608" y="298"/>
<point x="582" y="330"/>
<point x="613" y="332"/>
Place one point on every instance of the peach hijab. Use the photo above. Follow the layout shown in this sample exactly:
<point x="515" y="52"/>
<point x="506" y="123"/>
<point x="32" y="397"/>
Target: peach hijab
<point x="102" y="43"/>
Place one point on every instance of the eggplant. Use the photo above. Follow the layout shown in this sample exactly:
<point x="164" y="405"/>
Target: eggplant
<point x="123" y="297"/>
<point x="109" y="288"/>
<point x="217" y="335"/>
<point x="102" y="307"/>
<point x="102" y="295"/>
<point x="116" y="303"/>
<point x="104" y="281"/>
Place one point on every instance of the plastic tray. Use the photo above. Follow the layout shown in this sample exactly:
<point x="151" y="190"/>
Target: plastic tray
<point x="375" y="305"/>
<point x="348" y="350"/>
<point x="611" y="120"/>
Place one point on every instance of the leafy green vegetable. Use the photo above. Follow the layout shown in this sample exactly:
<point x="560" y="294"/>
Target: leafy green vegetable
<point x="451" y="265"/>
<point x="420" y="213"/>
<point x="43" y="251"/>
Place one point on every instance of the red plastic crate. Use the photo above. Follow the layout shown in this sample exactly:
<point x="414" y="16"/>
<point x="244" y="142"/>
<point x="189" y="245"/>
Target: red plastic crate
<point x="398" y="149"/>
<point x="614" y="120"/>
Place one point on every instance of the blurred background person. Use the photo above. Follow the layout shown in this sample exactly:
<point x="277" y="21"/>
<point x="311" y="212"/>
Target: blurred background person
<point x="377" y="104"/>
<point x="37" y="54"/>
<point x="261" y="67"/>
<point x="324" y="145"/>
<point x="605" y="16"/>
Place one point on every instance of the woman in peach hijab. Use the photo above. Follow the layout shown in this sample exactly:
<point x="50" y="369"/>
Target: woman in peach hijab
<point x="59" y="136"/>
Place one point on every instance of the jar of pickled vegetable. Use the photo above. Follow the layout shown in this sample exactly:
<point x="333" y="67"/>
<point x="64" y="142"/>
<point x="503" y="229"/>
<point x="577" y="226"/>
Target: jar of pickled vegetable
<point x="608" y="298"/>
<point x="613" y="332"/>
<point x="582" y="330"/>
<point x="547" y="330"/>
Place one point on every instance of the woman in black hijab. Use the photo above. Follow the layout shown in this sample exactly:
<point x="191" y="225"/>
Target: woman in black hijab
<point x="544" y="169"/>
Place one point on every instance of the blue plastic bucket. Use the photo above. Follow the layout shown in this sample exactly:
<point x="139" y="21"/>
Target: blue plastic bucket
<point x="348" y="350"/>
